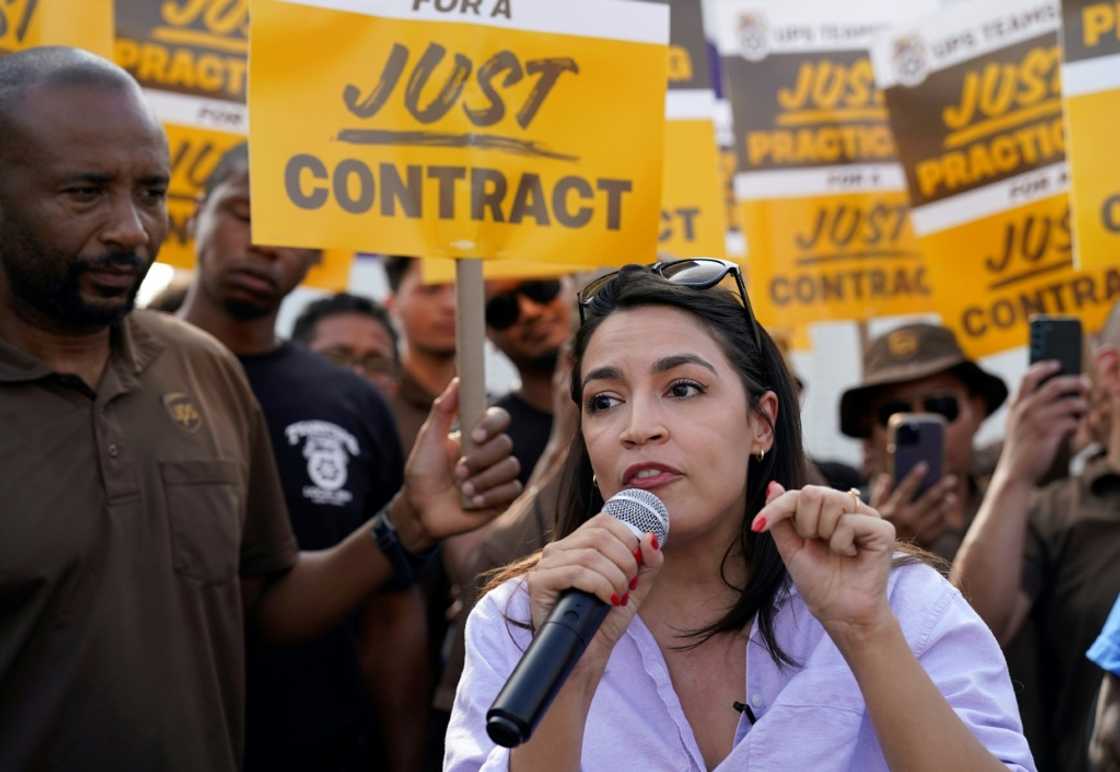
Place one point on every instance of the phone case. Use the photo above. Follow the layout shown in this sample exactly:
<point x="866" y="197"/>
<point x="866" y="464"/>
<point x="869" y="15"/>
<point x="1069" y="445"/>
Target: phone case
<point x="914" y="438"/>
<point x="1056" y="337"/>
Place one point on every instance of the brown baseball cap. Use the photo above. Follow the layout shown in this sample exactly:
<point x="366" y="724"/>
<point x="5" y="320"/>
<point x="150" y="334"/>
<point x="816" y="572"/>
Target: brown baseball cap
<point x="906" y="354"/>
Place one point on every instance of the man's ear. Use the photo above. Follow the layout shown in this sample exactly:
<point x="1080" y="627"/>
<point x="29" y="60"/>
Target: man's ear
<point x="192" y="221"/>
<point x="1106" y="369"/>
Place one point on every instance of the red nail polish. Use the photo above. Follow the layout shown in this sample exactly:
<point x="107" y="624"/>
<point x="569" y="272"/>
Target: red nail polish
<point x="615" y="599"/>
<point x="638" y="556"/>
<point x="759" y="524"/>
<point x="634" y="583"/>
<point x="654" y="542"/>
<point x="625" y="599"/>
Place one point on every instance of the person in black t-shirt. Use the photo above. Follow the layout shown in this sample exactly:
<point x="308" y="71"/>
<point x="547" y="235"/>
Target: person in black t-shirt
<point x="530" y="321"/>
<point x="355" y="698"/>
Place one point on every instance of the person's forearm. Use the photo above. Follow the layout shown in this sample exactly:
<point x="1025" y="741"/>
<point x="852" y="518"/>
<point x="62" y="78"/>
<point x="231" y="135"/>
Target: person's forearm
<point x="917" y="728"/>
<point x="988" y="568"/>
<point x="322" y="587"/>
<point x="394" y="659"/>
<point x="557" y="743"/>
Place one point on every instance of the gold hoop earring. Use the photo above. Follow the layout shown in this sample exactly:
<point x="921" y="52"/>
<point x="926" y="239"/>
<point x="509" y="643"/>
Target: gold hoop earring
<point x="760" y="454"/>
<point x="594" y="482"/>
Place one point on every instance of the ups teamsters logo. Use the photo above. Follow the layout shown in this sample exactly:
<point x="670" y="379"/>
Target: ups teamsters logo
<point x="753" y="34"/>
<point x="328" y="449"/>
<point x="910" y="60"/>
<point x="182" y="411"/>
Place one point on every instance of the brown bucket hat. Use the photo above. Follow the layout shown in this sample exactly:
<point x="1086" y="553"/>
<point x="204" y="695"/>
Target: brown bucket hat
<point x="906" y="354"/>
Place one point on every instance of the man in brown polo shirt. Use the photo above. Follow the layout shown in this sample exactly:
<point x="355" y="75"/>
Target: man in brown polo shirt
<point x="143" y="520"/>
<point x="1052" y="558"/>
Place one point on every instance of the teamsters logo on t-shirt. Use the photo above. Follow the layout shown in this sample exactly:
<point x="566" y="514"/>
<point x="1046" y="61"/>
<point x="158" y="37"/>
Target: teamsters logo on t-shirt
<point x="327" y="448"/>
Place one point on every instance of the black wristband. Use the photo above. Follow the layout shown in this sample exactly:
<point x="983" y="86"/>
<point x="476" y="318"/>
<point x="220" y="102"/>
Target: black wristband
<point x="385" y="537"/>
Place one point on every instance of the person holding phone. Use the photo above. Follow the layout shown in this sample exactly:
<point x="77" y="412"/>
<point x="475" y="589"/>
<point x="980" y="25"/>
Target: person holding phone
<point x="779" y="626"/>
<point x="1049" y="559"/>
<point x="921" y="368"/>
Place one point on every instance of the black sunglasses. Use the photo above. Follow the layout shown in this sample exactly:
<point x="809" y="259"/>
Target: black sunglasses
<point x="699" y="273"/>
<point x="947" y="406"/>
<point x="502" y="311"/>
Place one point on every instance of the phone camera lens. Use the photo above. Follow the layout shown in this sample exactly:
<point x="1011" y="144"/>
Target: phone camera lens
<point x="907" y="435"/>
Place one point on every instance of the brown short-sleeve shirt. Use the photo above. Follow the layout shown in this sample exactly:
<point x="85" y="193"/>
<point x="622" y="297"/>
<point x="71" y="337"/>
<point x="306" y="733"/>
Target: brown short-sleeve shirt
<point x="1072" y="574"/>
<point x="128" y="516"/>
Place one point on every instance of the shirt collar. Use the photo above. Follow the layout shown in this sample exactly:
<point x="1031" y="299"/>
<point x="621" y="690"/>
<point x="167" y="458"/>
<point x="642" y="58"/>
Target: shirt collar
<point x="17" y="366"/>
<point x="1102" y="477"/>
<point x="137" y="347"/>
<point x="413" y="392"/>
<point x="130" y="344"/>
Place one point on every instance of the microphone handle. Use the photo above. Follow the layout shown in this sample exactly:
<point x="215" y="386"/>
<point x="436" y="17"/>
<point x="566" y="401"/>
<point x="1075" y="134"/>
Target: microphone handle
<point x="544" y="667"/>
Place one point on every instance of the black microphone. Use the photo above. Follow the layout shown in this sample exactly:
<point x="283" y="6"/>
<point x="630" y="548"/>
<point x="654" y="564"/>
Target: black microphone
<point x="553" y="653"/>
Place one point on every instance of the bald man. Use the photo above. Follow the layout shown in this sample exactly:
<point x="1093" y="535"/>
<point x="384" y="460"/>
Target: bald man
<point x="142" y="517"/>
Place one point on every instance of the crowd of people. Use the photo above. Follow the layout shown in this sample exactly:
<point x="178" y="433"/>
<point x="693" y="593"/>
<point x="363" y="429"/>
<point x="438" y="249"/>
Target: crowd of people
<point x="226" y="550"/>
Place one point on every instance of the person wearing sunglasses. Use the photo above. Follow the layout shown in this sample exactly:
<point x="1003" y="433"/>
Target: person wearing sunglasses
<point x="778" y="626"/>
<point x="530" y="321"/>
<point x="921" y="368"/>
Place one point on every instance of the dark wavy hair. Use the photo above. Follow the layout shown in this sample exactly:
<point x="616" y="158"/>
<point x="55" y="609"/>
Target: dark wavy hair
<point x="761" y="368"/>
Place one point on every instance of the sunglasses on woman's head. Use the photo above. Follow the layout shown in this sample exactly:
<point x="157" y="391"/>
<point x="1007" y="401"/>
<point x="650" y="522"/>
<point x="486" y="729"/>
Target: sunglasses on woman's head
<point x="699" y="273"/>
<point x="947" y="406"/>
<point x="503" y="311"/>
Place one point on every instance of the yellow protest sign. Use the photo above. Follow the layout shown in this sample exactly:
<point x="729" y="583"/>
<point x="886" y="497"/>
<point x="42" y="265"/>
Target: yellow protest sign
<point x="191" y="58"/>
<point x="736" y="241"/>
<point x="822" y="197"/>
<point x="975" y="105"/>
<point x="478" y="128"/>
<point x="84" y="24"/>
<point x="442" y="270"/>
<point x="693" y="222"/>
<point x="1091" y="84"/>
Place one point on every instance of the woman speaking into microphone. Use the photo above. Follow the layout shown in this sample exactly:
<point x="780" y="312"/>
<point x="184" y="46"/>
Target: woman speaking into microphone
<point x="780" y="627"/>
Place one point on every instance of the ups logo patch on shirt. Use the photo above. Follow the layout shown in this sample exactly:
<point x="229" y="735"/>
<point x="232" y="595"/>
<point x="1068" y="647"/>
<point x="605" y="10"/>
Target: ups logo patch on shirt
<point x="182" y="411"/>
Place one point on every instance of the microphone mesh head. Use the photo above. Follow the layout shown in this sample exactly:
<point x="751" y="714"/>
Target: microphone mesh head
<point x="641" y="510"/>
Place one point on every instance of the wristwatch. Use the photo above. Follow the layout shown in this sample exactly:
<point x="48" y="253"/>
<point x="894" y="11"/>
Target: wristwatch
<point x="405" y="564"/>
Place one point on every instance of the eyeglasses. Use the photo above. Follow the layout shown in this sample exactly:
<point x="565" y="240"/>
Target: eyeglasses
<point x="699" y="273"/>
<point x="947" y="406"/>
<point x="503" y="311"/>
<point x="371" y="364"/>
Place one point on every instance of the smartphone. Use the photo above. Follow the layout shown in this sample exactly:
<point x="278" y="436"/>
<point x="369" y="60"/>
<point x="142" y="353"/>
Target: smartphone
<point x="912" y="439"/>
<point x="1056" y="337"/>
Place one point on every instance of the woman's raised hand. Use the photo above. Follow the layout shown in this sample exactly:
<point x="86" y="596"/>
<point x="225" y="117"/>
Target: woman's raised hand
<point x="602" y="557"/>
<point x="837" y="551"/>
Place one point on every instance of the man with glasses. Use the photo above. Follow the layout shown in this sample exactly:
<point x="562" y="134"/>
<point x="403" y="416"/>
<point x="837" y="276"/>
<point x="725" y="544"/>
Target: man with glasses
<point x="356" y="333"/>
<point x="920" y="368"/>
<point x="530" y="321"/>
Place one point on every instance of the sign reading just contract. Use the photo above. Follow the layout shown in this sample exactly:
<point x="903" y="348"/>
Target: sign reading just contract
<point x="524" y="129"/>
<point x="693" y="218"/>
<point x="1091" y="82"/>
<point x="84" y="24"/>
<point x="975" y="104"/>
<point x="822" y="197"/>
<point x="191" y="58"/>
